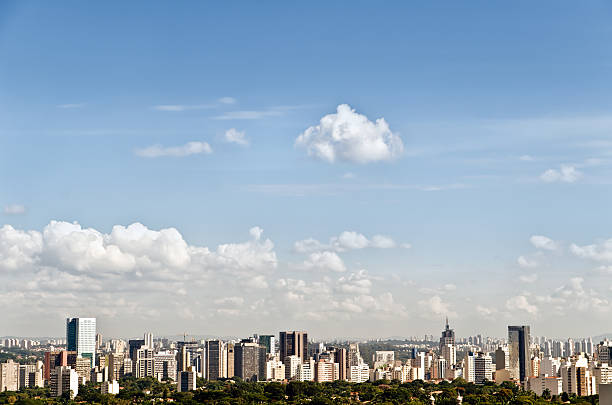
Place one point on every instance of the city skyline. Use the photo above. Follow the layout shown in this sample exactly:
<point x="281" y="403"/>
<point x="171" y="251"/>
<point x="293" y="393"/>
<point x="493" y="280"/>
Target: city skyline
<point x="218" y="169"/>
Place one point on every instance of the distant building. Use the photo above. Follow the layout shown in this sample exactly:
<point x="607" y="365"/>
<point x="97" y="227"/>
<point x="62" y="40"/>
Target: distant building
<point x="165" y="366"/>
<point x="187" y="381"/>
<point x="81" y="337"/>
<point x="248" y="357"/>
<point x="293" y="344"/>
<point x="9" y="376"/>
<point x="291" y="366"/>
<point x="64" y="379"/>
<point x="144" y="363"/>
<point x="216" y="360"/>
<point x="110" y="387"/>
<point x="519" y="356"/>
<point x="268" y="341"/>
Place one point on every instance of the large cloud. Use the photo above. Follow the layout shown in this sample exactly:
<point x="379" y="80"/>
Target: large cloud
<point x="134" y="249"/>
<point x="352" y="137"/>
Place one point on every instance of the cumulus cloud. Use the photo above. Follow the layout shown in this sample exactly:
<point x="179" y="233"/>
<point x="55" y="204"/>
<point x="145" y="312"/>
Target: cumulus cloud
<point x="520" y="303"/>
<point x="351" y="137"/>
<point x="565" y="174"/>
<point x="135" y="250"/>
<point x="526" y="262"/>
<point x="14" y="209"/>
<point x="324" y="261"/>
<point x="601" y="252"/>
<point x="347" y="240"/>
<point x="543" y="242"/>
<point x="190" y="148"/>
<point x="529" y="278"/>
<point x="436" y="306"/>
<point x="232" y="135"/>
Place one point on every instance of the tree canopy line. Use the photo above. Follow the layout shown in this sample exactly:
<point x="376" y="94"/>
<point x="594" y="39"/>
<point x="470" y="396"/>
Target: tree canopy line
<point x="238" y="392"/>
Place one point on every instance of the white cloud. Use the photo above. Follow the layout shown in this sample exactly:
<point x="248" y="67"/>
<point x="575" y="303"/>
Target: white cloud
<point x="521" y="303"/>
<point x="227" y="100"/>
<point x="406" y="245"/>
<point x="71" y="106"/>
<point x="601" y="252"/>
<point x="14" y="209"/>
<point x="352" y="137"/>
<point x="182" y="107"/>
<point x="234" y="136"/>
<point x="230" y="301"/>
<point x="543" y="242"/>
<point x="347" y="240"/>
<point x="529" y="278"/>
<point x="254" y="114"/>
<point x="134" y="250"/>
<point x="526" y="158"/>
<point x="436" y="306"/>
<point x="565" y="174"/>
<point x="190" y="148"/>
<point x="526" y="262"/>
<point x="324" y="261"/>
<point x="382" y="242"/>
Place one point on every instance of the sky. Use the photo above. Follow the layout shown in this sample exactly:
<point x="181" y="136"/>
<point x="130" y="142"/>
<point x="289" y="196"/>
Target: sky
<point x="349" y="168"/>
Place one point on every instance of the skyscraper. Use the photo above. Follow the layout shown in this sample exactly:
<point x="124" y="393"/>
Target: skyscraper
<point x="518" y="352"/>
<point x="215" y="360"/>
<point x="247" y="358"/>
<point x="448" y="350"/>
<point x="293" y="344"/>
<point x="81" y="337"/>
<point x="268" y="341"/>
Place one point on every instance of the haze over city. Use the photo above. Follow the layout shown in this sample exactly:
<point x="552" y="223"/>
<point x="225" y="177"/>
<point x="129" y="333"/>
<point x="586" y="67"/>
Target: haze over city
<point x="336" y="167"/>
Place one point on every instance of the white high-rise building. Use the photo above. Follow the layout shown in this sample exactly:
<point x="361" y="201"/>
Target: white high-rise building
<point x="9" y="376"/>
<point x="483" y="368"/>
<point x="81" y="337"/>
<point x="64" y="379"/>
<point x="291" y="366"/>
<point x="148" y="340"/>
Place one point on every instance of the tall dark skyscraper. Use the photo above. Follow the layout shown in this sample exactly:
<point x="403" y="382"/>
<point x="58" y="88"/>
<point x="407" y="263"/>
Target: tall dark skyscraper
<point x="214" y="359"/>
<point x="293" y="344"/>
<point x="518" y="348"/>
<point x="247" y="359"/>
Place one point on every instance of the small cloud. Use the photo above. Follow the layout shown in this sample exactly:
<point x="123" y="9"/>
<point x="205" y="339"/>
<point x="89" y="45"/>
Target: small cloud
<point x="566" y="174"/>
<point x="350" y="137"/>
<point x="348" y="175"/>
<point x="382" y="242"/>
<point x="543" y="242"/>
<point x="14" y="209"/>
<point x="227" y="100"/>
<point x="232" y="135"/>
<point x="324" y="261"/>
<point x="530" y="278"/>
<point x="71" y="106"/>
<point x="250" y="114"/>
<point x="526" y="262"/>
<point x="182" y="107"/>
<point x="190" y="148"/>
<point x="450" y="287"/>
<point x="406" y="245"/>
<point x="526" y="158"/>
<point x="521" y="303"/>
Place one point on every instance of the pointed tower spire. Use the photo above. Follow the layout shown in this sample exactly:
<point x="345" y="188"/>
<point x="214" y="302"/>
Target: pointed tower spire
<point x="447" y="328"/>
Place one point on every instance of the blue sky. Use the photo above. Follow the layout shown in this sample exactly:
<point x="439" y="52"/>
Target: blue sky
<point x="502" y="109"/>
